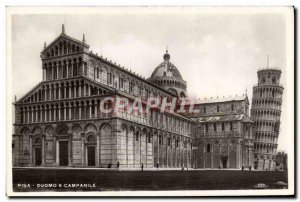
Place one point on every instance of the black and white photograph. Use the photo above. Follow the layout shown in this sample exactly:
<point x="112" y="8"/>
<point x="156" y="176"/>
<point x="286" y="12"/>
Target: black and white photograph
<point x="150" y="101"/>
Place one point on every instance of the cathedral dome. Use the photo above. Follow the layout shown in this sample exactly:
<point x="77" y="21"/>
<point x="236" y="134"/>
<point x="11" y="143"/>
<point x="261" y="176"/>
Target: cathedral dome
<point x="166" y="69"/>
<point x="167" y="76"/>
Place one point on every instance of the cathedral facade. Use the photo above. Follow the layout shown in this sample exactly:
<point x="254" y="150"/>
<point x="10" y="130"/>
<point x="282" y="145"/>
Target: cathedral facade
<point x="61" y="121"/>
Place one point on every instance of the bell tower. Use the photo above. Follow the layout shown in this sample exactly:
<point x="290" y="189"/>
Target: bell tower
<point x="266" y="112"/>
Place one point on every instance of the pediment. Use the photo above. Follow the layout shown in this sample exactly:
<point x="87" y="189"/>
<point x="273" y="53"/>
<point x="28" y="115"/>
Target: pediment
<point x="32" y="92"/>
<point x="63" y="43"/>
<point x="36" y="93"/>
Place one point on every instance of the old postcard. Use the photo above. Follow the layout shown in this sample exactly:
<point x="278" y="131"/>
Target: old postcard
<point x="150" y="101"/>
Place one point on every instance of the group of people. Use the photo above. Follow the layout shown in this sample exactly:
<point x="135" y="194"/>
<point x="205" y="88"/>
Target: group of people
<point x="142" y="166"/>
<point x="243" y="167"/>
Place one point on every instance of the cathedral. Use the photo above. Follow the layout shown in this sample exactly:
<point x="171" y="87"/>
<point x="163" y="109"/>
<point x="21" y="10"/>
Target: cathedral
<point x="61" y="121"/>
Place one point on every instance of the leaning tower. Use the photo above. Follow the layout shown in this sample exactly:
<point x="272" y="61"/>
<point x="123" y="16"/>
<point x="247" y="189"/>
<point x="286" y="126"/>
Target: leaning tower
<point x="266" y="111"/>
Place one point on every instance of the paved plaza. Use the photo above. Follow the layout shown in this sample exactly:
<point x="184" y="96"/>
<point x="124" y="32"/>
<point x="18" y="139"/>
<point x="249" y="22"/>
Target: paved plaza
<point x="161" y="179"/>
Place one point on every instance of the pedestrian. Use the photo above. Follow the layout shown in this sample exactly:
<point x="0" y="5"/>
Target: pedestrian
<point x="250" y="168"/>
<point x="157" y="164"/>
<point x="142" y="167"/>
<point x="118" y="164"/>
<point x="242" y="167"/>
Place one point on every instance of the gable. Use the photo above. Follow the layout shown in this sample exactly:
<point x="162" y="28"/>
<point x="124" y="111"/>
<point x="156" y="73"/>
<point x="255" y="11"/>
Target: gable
<point x="63" y="44"/>
<point x="37" y="93"/>
<point x="34" y="90"/>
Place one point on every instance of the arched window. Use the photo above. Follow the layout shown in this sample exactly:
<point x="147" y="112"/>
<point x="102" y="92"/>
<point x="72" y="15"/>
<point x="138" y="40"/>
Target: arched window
<point x="91" y="138"/>
<point x="204" y="109"/>
<point x="208" y="147"/>
<point x="232" y="107"/>
<point x="38" y="140"/>
<point x="218" y="108"/>
<point x="273" y="80"/>
<point x="97" y="72"/>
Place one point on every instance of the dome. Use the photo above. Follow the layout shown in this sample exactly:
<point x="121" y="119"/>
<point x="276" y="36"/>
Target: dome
<point x="166" y="69"/>
<point x="167" y="76"/>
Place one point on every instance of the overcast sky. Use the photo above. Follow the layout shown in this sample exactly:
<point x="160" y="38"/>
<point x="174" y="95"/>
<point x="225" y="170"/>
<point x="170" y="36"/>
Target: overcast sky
<point x="218" y="54"/>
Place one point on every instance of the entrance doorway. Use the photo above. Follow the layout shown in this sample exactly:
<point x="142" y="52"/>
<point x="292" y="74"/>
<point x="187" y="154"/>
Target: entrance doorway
<point x="63" y="153"/>
<point x="255" y="165"/>
<point x="91" y="156"/>
<point x="224" y="162"/>
<point x="38" y="156"/>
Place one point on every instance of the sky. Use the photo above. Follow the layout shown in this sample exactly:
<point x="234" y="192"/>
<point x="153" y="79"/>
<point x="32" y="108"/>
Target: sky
<point x="217" y="53"/>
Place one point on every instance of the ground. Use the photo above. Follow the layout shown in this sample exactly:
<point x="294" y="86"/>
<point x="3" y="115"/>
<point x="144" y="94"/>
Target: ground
<point x="146" y="180"/>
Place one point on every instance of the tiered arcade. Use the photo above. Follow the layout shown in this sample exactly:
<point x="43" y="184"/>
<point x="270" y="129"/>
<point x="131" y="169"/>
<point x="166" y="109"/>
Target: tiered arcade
<point x="266" y="111"/>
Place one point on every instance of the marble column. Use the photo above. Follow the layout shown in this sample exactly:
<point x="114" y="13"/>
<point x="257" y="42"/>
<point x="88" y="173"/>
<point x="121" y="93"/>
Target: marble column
<point x="70" y="112"/>
<point x="72" y="69"/>
<point x="79" y="110"/>
<point x="90" y="109"/>
<point x="59" y="114"/>
<point x="30" y="150"/>
<point x="95" y="109"/>
<point x="70" y="151"/>
<point x="45" y="93"/>
<point x="52" y="68"/>
<point x="57" y="72"/>
<point x="50" y="93"/>
<point x="54" y="109"/>
<point x="56" y="142"/>
<point x="54" y="92"/>
<point x="98" y="150"/>
<point x="82" y="149"/>
<point x="65" y="91"/>
<point x="65" y="111"/>
<point x="32" y="115"/>
<point x="45" y="114"/>
<point x="228" y="147"/>
<point x="79" y="91"/>
<point x="84" y="90"/>
<point x="67" y="67"/>
<point x="238" y="155"/>
<point x="43" y="150"/>
<point x="70" y="90"/>
<point x="59" y="91"/>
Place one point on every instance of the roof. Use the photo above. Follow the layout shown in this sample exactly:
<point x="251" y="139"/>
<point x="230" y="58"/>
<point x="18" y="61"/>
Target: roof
<point x="106" y="61"/>
<point x="222" y="99"/>
<point x="238" y="117"/>
<point x="166" y="69"/>
<point x="63" y="35"/>
<point x="105" y="87"/>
